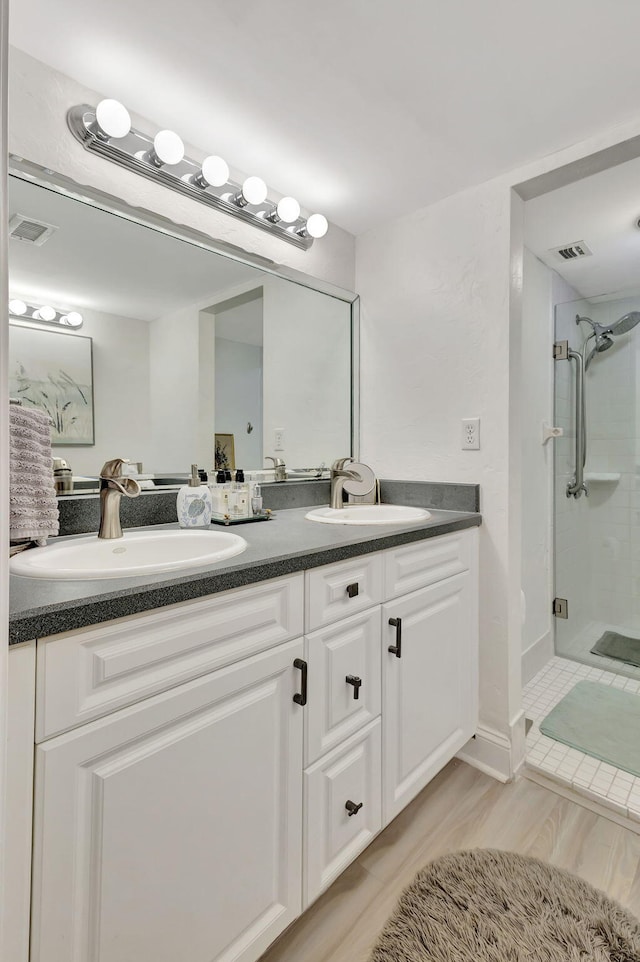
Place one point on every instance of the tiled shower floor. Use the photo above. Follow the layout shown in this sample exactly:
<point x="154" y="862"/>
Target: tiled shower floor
<point x="596" y="780"/>
<point x="580" y="649"/>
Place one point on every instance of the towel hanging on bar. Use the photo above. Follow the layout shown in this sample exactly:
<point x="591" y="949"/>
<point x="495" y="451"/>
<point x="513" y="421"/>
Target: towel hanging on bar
<point x="33" y="507"/>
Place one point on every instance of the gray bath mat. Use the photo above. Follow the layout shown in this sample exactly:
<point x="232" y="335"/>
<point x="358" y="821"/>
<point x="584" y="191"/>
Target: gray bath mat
<point x="601" y="721"/>
<point x="620" y="647"/>
<point x="490" y="906"/>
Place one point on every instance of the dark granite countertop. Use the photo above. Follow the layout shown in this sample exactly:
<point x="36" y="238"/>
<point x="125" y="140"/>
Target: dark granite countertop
<point x="288" y="543"/>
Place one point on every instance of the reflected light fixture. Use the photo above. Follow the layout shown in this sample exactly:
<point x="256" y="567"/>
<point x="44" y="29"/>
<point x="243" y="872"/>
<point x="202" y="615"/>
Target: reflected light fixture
<point x="44" y="313"/>
<point x="107" y="131"/>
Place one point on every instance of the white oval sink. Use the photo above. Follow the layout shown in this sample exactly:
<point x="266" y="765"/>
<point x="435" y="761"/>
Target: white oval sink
<point x="136" y="553"/>
<point x="369" y="514"/>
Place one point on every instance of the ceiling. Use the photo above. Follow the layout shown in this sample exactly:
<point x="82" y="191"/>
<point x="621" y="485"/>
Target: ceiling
<point x="364" y="109"/>
<point x="126" y="269"/>
<point x="601" y="210"/>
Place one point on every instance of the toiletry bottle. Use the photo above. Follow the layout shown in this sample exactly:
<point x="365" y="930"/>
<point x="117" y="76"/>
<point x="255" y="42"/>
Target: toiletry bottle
<point x="243" y="500"/>
<point x="256" y="500"/>
<point x="223" y="491"/>
<point x="194" y="503"/>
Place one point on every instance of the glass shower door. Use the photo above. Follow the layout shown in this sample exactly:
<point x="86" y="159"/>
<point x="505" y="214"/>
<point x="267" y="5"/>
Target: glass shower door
<point x="597" y="532"/>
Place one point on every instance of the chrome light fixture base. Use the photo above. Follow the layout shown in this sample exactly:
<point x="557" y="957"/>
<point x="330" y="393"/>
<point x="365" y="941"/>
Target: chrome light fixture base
<point x="133" y="151"/>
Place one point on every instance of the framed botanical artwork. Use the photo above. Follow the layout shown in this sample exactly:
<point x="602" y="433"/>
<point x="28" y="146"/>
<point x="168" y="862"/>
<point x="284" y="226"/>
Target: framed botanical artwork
<point x="53" y="371"/>
<point x="225" y="455"/>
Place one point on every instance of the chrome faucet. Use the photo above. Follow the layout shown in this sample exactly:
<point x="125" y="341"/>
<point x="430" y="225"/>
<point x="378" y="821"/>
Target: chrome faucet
<point x="340" y="474"/>
<point x="279" y="468"/>
<point x="113" y="484"/>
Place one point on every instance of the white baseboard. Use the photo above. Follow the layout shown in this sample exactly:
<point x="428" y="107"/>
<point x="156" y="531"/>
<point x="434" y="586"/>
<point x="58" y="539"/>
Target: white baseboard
<point x="495" y="753"/>
<point x="490" y="751"/>
<point x="536" y="657"/>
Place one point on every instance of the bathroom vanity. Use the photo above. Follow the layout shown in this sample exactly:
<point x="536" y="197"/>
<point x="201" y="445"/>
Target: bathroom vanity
<point x="204" y="770"/>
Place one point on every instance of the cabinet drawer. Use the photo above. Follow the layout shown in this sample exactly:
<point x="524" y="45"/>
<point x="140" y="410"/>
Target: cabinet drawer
<point x="344" y="681"/>
<point x="85" y="674"/>
<point x="425" y="562"/>
<point x="333" y="837"/>
<point x="336" y="591"/>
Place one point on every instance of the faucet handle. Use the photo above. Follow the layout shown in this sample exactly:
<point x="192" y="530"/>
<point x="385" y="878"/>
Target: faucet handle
<point x="113" y="469"/>
<point x="339" y="464"/>
<point x="112" y="472"/>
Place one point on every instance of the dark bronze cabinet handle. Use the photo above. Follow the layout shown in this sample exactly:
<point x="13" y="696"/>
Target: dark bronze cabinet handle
<point x="353" y="590"/>
<point x="397" y="648"/>
<point x="356" y="682"/>
<point x="300" y="698"/>
<point x="352" y="808"/>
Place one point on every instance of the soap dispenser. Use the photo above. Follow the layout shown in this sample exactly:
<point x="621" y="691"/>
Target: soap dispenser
<point x="194" y="502"/>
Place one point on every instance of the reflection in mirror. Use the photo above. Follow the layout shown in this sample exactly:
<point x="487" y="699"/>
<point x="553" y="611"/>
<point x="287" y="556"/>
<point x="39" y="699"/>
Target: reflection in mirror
<point x="185" y="345"/>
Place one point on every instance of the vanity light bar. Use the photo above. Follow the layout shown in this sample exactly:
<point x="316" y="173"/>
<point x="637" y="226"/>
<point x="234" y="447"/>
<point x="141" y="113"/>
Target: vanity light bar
<point x="106" y="130"/>
<point x="44" y="314"/>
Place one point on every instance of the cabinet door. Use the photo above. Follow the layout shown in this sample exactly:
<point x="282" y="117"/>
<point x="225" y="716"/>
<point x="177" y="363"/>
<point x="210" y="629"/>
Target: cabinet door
<point x="342" y="808"/>
<point x="172" y="830"/>
<point x="344" y="681"/>
<point x="429" y="692"/>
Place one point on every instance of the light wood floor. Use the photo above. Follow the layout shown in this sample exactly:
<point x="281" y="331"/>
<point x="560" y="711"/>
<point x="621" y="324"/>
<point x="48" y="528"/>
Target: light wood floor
<point x="461" y="808"/>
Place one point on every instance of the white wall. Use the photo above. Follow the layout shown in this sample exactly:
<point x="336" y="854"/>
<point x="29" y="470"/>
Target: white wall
<point x="238" y="381"/>
<point x="537" y="460"/>
<point x="174" y="390"/>
<point x="435" y="349"/>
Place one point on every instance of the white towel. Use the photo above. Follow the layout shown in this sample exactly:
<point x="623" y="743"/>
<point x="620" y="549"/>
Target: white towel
<point x="33" y="506"/>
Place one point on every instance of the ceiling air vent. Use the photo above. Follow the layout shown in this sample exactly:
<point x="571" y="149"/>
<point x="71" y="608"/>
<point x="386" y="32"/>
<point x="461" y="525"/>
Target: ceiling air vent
<point x="571" y="252"/>
<point x="30" y="231"/>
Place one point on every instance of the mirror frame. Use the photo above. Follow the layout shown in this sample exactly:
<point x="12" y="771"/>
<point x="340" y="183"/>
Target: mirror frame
<point x="45" y="177"/>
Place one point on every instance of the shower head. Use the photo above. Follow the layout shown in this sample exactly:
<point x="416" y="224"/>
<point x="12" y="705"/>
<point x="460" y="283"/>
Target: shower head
<point x="603" y="343"/>
<point x="624" y="324"/>
<point x="603" y="332"/>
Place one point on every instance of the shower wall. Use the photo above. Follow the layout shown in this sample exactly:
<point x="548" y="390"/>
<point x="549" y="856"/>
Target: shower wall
<point x="597" y="538"/>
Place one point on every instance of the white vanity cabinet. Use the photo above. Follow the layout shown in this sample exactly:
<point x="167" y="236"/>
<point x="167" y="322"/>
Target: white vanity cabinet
<point x="414" y="649"/>
<point x="204" y="771"/>
<point x="168" y="796"/>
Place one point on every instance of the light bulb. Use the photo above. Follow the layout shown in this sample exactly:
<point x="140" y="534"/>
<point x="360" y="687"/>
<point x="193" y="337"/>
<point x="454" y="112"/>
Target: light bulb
<point x="168" y="147"/>
<point x="288" y="209"/>
<point x="254" y="190"/>
<point x="72" y="319"/>
<point x="17" y="307"/>
<point x="215" y="171"/>
<point x="317" y="225"/>
<point x="45" y="313"/>
<point x="113" y="118"/>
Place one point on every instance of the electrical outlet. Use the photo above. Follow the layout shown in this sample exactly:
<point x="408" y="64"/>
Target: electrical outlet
<point x="278" y="439"/>
<point x="470" y="434"/>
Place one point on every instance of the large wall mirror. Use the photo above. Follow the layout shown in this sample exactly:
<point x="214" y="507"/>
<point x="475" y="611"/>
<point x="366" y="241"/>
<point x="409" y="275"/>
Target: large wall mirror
<point x="179" y="345"/>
